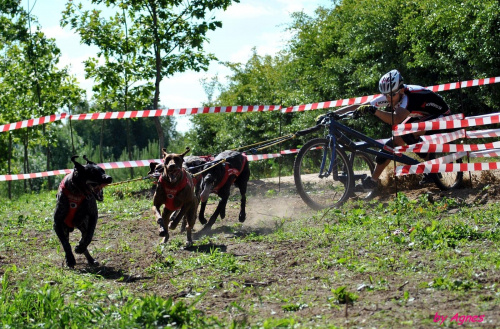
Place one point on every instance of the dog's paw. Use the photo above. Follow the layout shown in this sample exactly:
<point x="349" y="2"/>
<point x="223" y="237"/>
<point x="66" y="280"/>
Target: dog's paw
<point x="80" y="250"/>
<point x="161" y="231"/>
<point x="202" y="220"/>
<point x="164" y="240"/>
<point x="172" y="225"/>
<point x="242" y="218"/>
<point x="206" y="228"/>
<point x="188" y="244"/>
<point x="70" y="262"/>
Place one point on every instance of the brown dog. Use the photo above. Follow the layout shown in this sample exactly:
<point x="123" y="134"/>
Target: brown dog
<point x="175" y="190"/>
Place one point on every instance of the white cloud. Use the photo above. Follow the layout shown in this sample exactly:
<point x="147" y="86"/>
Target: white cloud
<point x="59" y="33"/>
<point x="246" y="11"/>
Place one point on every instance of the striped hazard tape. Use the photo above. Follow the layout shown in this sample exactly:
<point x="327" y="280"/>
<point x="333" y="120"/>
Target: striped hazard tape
<point x="485" y="154"/>
<point x="483" y="133"/>
<point x="114" y="165"/>
<point x="139" y="114"/>
<point x="445" y="167"/>
<point x="446" y="148"/>
<point x="229" y="109"/>
<point x="408" y="128"/>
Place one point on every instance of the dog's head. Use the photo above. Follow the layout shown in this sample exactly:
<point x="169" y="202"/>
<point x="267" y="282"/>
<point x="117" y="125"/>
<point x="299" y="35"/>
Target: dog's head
<point x="155" y="169"/>
<point x="90" y="178"/>
<point x="172" y="165"/>
<point x="212" y="176"/>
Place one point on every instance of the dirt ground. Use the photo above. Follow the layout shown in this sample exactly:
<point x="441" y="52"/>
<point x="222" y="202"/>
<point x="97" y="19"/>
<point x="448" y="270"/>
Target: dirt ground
<point x="269" y="201"/>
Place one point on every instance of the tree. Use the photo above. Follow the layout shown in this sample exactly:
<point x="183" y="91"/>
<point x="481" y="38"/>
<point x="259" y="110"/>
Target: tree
<point x="32" y="86"/>
<point x="341" y="52"/>
<point x="169" y="33"/>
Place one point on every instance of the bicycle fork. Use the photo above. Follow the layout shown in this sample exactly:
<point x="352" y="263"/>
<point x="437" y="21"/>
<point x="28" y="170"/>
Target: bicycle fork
<point x="332" y="142"/>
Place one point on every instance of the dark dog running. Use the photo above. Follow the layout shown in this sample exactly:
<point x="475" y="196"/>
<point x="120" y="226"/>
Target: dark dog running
<point x="218" y="179"/>
<point x="192" y="164"/>
<point x="175" y="190"/>
<point x="77" y="207"/>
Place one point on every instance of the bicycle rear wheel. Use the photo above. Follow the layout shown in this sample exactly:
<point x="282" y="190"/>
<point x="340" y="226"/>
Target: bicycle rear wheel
<point x="321" y="192"/>
<point x="446" y="180"/>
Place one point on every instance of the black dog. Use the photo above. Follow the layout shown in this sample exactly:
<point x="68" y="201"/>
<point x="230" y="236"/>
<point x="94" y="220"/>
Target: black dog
<point x="77" y="207"/>
<point x="218" y="179"/>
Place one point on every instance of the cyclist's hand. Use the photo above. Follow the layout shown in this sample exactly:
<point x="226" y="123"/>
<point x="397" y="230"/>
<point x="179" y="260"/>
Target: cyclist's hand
<point x="363" y="110"/>
<point x="320" y="118"/>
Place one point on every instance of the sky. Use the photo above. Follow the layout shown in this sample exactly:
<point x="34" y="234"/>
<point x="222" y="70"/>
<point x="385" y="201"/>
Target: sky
<point x="258" y="24"/>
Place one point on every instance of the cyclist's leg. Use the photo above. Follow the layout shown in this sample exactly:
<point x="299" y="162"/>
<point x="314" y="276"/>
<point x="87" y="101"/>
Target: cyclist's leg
<point x="382" y="162"/>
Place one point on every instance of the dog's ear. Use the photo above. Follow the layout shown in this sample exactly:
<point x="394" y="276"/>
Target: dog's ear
<point x="185" y="152"/>
<point x="78" y="166"/>
<point x="88" y="161"/>
<point x="164" y="151"/>
<point x="152" y="167"/>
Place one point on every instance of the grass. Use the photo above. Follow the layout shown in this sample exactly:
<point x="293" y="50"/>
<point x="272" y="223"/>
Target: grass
<point x="367" y="264"/>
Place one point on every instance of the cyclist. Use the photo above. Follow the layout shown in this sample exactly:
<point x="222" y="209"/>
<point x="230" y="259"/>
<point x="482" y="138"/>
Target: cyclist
<point x="404" y="104"/>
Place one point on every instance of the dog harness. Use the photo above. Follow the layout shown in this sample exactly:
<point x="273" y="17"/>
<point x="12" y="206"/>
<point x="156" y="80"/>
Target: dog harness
<point x="171" y="191"/>
<point x="230" y="172"/>
<point x="75" y="200"/>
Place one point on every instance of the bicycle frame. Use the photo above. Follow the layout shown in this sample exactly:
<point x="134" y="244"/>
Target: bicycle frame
<point x="337" y="134"/>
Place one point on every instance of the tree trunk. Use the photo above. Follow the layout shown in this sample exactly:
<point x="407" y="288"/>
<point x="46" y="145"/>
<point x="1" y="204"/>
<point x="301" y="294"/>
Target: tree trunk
<point x="9" y="159"/>
<point x="158" y="63"/>
<point x="26" y="162"/>
<point x="101" y="140"/>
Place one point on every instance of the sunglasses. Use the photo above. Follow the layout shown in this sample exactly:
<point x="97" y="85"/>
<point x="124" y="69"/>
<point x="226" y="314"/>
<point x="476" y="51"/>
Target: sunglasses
<point x="392" y="94"/>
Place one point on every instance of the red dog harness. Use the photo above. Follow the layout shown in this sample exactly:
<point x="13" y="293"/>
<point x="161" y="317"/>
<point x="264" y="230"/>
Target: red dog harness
<point x="75" y="200"/>
<point x="230" y="172"/>
<point x="171" y="191"/>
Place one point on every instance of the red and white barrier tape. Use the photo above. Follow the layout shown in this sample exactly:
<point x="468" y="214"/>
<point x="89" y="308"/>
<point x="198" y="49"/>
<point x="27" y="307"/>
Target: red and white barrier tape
<point x="256" y="157"/>
<point x="445" y="167"/>
<point x="447" y="148"/>
<point x="485" y="154"/>
<point x="443" y="138"/>
<point x="229" y="109"/>
<point x="408" y="128"/>
<point x="325" y="105"/>
<point x="139" y="114"/>
<point x="33" y="122"/>
<point x="483" y="133"/>
<point x="115" y="165"/>
<point x="446" y="159"/>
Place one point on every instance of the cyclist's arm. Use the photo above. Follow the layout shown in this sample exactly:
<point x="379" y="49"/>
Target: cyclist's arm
<point x="350" y="108"/>
<point x="399" y="115"/>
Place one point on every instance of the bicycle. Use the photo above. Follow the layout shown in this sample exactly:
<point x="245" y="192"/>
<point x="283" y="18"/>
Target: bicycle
<point x="327" y="170"/>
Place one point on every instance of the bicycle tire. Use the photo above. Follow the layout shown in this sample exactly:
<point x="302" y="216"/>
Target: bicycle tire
<point x="319" y="193"/>
<point x="362" y="166"/>
<point x="447" y="180"/>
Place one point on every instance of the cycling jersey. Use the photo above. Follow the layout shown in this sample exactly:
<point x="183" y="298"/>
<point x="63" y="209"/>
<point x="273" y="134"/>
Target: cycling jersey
<point x="423" y="104"/>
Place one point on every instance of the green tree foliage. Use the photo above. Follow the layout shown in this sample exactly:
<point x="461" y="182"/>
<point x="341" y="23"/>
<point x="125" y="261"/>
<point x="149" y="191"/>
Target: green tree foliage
<point x="31" y="86"/>
<point x="342" y="51"/>
<point x="168" y="34"/>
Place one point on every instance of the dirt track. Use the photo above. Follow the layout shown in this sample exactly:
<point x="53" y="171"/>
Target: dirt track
<point x="130" y="253"/>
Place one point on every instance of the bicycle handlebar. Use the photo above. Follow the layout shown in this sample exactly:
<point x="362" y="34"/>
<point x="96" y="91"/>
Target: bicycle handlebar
<point x="323" y="121"/>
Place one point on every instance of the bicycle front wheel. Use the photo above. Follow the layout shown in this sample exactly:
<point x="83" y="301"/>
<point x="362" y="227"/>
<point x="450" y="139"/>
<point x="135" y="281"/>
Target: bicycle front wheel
<point x="362" y="167"/>
<point x="322" y="192"/>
